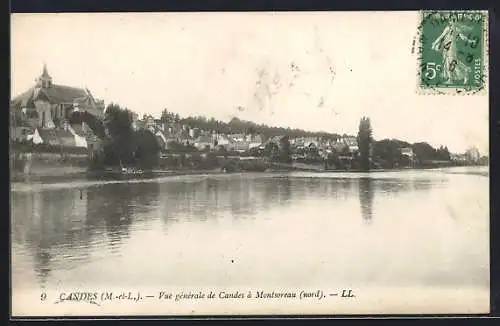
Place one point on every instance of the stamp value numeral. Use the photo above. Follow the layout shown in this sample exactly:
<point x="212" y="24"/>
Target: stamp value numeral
<point x="431" y="70"/>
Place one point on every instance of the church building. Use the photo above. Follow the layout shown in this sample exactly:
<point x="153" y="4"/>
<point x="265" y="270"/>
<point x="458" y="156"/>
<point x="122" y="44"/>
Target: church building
<point x="47" y="105"/>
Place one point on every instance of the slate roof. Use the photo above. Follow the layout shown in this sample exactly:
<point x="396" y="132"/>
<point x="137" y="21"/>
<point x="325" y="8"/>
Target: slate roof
<point x="57" y="94"/>
<point x="24" y="99"/>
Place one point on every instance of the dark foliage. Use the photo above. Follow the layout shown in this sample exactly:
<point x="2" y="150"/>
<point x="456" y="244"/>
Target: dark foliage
<point x="364" y="143"/>
<point x="237" y="126"/>
<point x="92" y="121"/>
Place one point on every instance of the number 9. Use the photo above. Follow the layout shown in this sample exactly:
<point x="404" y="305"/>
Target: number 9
<point x="43" y="296"/>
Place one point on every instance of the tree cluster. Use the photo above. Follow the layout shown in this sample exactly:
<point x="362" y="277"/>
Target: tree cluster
<point x="125" y="146"/>
<point x="387" y="152"/>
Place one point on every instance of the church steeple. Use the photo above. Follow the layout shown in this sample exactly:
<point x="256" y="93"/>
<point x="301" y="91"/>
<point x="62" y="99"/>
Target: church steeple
<point x="45" y="80"/>
<point x="45" y="72"/>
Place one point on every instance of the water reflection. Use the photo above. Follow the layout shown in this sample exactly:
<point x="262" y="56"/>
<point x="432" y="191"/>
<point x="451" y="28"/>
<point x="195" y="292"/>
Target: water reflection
<point x="395" y="187"/>
<point x="210" y="198"/>
<point x="113" y="208"/>
<point x="366" y="195"/>
<point x="46" y="220"/>
<point x="59" y="228"/>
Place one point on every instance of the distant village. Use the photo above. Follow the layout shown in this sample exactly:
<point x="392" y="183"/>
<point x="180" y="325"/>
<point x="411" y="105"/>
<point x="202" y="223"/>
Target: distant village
<point x="42" y="116"/>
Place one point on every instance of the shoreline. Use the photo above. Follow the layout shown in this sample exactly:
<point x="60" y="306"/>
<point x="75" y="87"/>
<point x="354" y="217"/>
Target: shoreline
<point x="156" y="173"/>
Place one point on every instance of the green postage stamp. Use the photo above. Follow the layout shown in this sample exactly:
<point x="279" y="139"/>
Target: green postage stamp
<point x="453" y="52"/>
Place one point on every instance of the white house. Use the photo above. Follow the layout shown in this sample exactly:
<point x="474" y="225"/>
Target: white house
<point x="407" y="151"/>
<point x="36" y="138"/>
<point x="80" y="141"/>
<point x="224" y="141"/>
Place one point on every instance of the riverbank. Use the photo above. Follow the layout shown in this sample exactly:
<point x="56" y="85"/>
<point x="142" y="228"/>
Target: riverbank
<point x="49" y="167"/>
<point x="68" y="174"/>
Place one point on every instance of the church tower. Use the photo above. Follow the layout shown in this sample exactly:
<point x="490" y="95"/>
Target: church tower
<point x="45" y="110"/>
<point x="45" y="80"/>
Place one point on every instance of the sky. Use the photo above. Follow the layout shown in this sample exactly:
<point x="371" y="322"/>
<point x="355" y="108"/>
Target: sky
<point x="316" y="71"/>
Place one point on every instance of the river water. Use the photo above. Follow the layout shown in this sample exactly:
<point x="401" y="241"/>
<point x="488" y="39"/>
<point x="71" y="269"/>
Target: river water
<point x="409" y="229"/>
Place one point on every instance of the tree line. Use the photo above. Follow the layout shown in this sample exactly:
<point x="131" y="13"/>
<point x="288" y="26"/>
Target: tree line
<point x="238" y="126"/>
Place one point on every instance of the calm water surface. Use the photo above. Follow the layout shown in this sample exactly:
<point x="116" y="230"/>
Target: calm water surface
<point x="414" y="228"/>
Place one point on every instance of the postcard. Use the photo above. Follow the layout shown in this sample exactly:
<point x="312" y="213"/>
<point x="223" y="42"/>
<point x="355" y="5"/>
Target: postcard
<point x="249" y="163"/>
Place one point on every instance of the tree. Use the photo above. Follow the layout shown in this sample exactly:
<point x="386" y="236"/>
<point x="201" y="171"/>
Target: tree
<point x="387" y="152"/>
<point x="443" y="153"/>
<point x="118" y="123"/>
<point x="424" y="152"/>
<point x="284" y="150"/>
<point x="332" y="159"/>
<point x="145" y="149"/>
<point x="271" y="151"/>
<point x="365" y="142"/>
<point x="166" y="117"/>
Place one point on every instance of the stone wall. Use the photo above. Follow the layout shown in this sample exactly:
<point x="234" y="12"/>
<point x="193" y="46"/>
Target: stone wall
<point x="28" y="163"/>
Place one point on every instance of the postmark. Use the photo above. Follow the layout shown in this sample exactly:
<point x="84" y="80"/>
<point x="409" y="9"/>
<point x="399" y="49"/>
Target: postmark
<point x="453" y="52"/>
